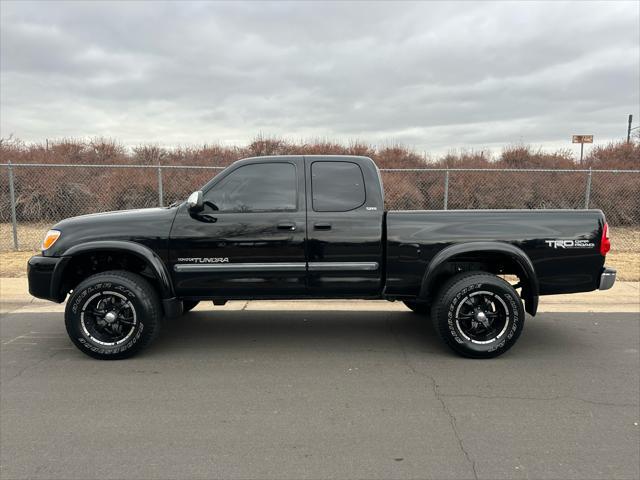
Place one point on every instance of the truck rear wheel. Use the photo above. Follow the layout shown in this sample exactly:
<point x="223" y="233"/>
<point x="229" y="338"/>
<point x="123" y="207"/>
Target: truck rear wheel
<point x="113" y="315"/>
<point x="478" y="315"/>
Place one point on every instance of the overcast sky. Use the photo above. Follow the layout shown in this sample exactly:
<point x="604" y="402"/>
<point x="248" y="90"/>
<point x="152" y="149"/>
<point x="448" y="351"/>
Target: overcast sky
<point x="432" y="76"/>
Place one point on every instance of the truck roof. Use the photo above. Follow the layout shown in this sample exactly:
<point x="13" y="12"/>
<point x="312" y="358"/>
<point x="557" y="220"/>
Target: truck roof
<point x="318" y="157"/>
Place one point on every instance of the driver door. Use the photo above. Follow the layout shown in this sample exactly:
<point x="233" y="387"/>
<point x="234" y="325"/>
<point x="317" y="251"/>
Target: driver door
<point x="250" y="239"/>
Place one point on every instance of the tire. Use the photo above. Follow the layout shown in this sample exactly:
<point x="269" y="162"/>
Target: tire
<point x="478" y="315"/>
<point x="127" y="315"/>
<point x="188" y="305"/>
<point x="418" y="307"/>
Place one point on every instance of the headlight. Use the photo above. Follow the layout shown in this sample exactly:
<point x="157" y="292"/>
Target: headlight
<point x="50" y="238"/>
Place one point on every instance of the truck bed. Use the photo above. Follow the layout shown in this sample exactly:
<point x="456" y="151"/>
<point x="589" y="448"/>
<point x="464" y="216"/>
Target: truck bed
<point x="414" y="238"/>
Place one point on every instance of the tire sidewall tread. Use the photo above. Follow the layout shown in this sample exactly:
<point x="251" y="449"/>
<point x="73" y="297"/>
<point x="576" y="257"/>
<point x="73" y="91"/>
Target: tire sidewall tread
<point x="453" y="291"/>
<point x="138" y="291"/>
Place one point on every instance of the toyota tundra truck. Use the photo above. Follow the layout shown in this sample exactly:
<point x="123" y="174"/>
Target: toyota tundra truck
<point x="314" y="227"/>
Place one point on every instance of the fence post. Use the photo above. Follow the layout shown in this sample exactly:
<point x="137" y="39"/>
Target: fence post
<point x="12" y="195"/>
<point x="446" y="189"/>
<point x="587" y="192"/>
<point x="160" y="193"/>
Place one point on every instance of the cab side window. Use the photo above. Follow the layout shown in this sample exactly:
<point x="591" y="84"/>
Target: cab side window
<point x="259" y="187"/>
<point x="336" y="186"/>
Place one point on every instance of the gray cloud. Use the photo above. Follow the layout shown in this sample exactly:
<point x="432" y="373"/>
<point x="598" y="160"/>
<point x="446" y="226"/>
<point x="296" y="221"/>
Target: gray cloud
<point x="434" y="76"/>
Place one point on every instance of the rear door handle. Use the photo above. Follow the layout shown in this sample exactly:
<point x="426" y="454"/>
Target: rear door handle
<point x="322" y="226"/>
<point x="287" y="226"/>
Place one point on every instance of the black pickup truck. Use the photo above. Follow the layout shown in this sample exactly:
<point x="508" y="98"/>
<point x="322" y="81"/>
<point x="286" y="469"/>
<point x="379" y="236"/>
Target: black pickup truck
<point x="295" y="227"/>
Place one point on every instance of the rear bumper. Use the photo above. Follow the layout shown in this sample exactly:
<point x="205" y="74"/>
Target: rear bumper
<point x="607" y="278"/>
<point x="43" y="275"/>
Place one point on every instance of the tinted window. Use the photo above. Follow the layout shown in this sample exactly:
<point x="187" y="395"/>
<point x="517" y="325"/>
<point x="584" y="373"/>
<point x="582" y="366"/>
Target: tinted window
<point x="255" y="188"/>
<point x="336" y="186"/>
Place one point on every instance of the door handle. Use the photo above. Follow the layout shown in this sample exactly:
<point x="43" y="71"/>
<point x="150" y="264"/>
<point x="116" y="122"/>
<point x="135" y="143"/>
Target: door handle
<point x="287" y="226"/>
<point x="206" y="217"/>
<point x="322" y="226"/>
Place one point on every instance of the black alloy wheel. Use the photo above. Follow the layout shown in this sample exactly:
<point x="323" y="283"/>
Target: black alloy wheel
<point x="113" y="315"/>
<point x="478" y="315"/>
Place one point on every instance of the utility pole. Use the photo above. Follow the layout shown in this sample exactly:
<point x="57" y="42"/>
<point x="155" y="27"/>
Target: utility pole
<point x="629" y="129"/>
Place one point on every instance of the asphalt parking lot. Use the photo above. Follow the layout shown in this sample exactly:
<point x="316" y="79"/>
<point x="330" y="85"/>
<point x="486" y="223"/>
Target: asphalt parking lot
<point x="316" y="392"/>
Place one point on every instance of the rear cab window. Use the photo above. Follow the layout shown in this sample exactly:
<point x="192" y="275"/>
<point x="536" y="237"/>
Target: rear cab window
<point x="337" y="186"/>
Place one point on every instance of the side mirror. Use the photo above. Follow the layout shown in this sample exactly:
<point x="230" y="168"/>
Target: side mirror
<point x="195" y="202"/>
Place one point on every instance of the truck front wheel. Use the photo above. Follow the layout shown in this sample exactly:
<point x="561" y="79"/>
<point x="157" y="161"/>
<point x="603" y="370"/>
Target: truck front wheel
<point x="113" y="315"/>
<point x="478" y="315"/>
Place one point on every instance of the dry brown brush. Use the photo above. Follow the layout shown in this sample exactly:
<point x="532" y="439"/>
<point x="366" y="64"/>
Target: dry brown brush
<point x="53" y="192"/>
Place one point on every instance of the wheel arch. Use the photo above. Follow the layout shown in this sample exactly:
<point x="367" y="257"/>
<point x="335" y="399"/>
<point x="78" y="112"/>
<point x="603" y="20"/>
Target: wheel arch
<point x="489" y="253"/>
<point x="145" y="255"/>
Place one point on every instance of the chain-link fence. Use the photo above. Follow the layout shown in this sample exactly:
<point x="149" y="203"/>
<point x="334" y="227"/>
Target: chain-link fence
<point x="34" y="196"/>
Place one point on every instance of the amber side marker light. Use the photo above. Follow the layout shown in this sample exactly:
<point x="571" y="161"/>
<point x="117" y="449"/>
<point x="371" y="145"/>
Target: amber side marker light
<point x="605" y="242"/>
<point x="50" y="238"/>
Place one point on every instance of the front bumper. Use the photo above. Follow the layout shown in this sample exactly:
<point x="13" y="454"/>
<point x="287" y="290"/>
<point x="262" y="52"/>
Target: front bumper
<point x="607" y="278"/>
<point x="44" y="277"/>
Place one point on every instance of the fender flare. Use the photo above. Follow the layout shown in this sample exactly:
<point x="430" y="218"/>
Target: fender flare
<point x="530" y="293"/>
<point x="147" y="255"/>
